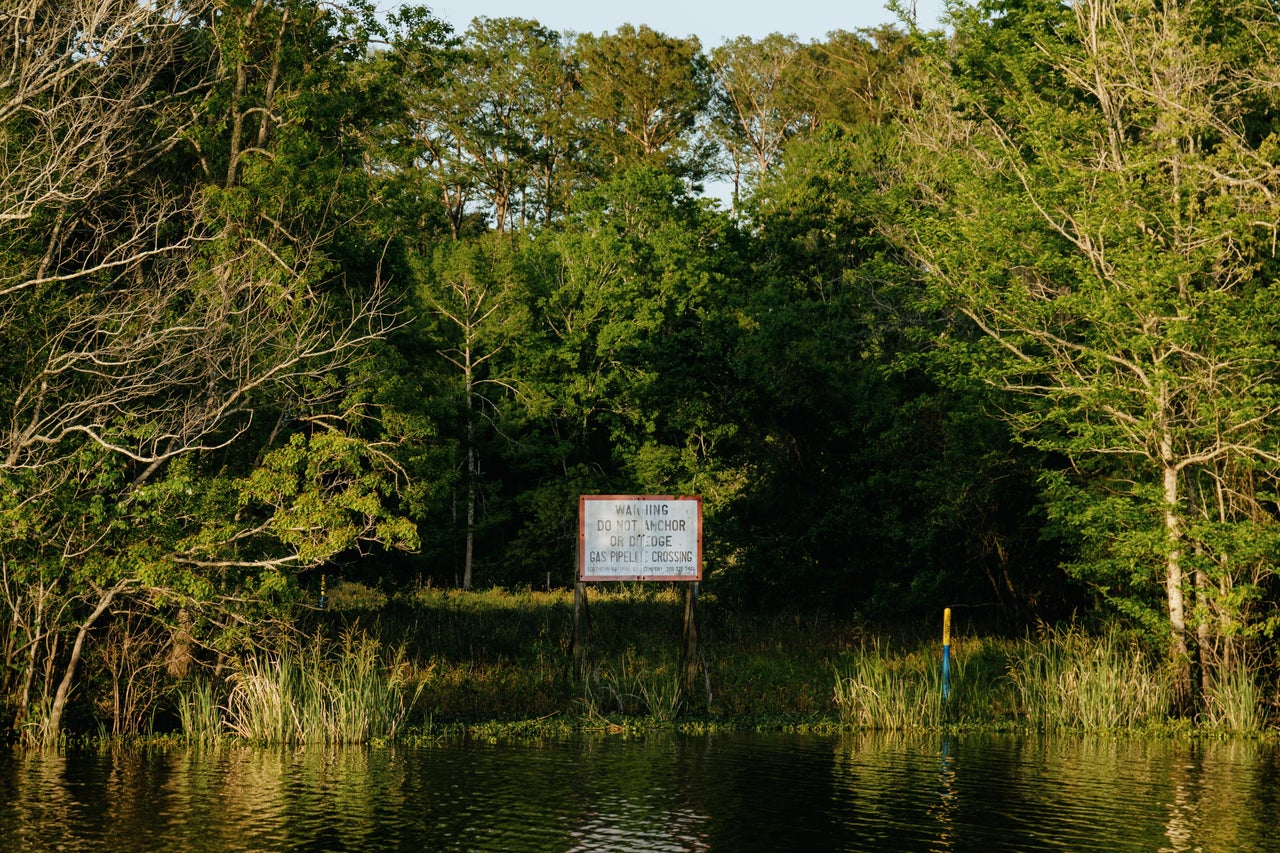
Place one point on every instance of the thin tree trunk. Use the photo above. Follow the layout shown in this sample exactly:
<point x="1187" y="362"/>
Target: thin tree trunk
<point x="29" y="677"/>
<point x="54" y="722"/>
<point x="471" y="473"/>
<point x="1207" y="657"/>
<point x="471" y="509"/>
<point x="1179" y="658"/>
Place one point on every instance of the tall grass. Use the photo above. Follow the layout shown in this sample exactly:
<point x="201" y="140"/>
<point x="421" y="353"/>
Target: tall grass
<point x="506" y="654"/>
<point x="879" y="690"/>
<point x="1058" y="680"/>
<point x="199" y="712"/>
<point x="1233" y="702"/>
<point x="267" y="700"/>
<point x="1066" y="679"/>
<point x="635" y="687"/>
<point x="307" y="695"/>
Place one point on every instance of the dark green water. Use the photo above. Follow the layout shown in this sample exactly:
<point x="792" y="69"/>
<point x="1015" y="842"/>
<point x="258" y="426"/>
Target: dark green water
<point x="667" y="793"/>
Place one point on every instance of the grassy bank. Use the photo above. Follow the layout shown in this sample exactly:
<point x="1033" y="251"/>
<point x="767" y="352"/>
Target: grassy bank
<point x="440" y="663"/>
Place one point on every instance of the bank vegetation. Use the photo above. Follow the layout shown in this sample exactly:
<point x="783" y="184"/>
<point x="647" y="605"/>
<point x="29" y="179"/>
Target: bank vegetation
<point x="299" y="297"/>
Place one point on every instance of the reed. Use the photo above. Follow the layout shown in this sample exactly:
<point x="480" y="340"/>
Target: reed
<point x="1058" y="680"/>
<point x="880" y="690"/>
<point x="633" y="687"/>
<point x="1066" y="679"/>
<point x="262" y="705"/>
<point x="199" y="712"/>
<point x="505" y="655"/>
<point x="1233" y="702"/>
<point x="365" y="698"/>
<point x="343" y="696"/>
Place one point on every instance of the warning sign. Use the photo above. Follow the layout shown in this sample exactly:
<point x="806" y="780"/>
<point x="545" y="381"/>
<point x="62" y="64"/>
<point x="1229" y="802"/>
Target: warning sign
<point x="639" y="537"/>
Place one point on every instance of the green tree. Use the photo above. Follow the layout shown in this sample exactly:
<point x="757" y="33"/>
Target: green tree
<point x="420" y="146"/>
<point x="857" y="77"/>
<point x="620" y="374"/>
<point x="755" y="108"/>
<point x="1095" y="186"/>
<point x="178" y="426"/>
<point x="878" y="482"/>
<point x="643" y="94"/>
<point x="489" y="116"/>
<point x="468" y="294"/>
<point x="517" y="132"/>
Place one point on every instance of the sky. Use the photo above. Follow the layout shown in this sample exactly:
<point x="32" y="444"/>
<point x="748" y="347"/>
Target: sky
<point x="712" y="21"/>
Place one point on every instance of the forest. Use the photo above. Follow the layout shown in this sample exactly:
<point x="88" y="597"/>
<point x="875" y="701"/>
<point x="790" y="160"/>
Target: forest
<point x="294" y="295"/>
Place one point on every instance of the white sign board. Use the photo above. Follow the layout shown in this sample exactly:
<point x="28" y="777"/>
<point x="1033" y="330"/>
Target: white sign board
<point x="639" y="538"/>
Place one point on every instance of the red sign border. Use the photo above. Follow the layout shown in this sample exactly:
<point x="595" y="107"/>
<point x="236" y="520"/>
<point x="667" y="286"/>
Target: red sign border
<point x="583" y="577"/>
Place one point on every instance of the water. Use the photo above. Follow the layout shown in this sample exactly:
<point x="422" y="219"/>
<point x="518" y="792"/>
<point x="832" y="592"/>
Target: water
<point x="656" y="793"/>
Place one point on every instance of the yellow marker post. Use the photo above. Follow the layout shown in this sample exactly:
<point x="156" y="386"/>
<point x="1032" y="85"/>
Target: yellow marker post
<point x="946" y="654"/>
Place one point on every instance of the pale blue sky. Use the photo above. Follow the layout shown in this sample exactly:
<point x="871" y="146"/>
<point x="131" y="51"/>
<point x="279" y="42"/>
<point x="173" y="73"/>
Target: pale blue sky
<point x="712" y="21"/>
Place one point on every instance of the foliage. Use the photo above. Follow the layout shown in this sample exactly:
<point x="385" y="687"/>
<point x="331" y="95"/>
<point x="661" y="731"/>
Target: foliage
<point x="189" y="305"/>
<point x="627" y="687"/>
<point x="644" y="93"/>
<point x="1088" y="181"/>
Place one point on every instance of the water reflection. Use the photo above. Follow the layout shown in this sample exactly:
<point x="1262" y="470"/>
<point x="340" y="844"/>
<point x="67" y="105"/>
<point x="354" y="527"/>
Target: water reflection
<point x="944" y="811"/>
<point x="650" y="805"/>
<point x="943" y="794"/>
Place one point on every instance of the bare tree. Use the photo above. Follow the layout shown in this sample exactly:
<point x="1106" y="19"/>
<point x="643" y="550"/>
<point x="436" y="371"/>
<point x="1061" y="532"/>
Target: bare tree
<point x="89" y="91"/>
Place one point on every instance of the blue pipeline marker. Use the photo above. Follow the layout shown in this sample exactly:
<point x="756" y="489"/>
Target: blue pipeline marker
<point x="946" y="654"/>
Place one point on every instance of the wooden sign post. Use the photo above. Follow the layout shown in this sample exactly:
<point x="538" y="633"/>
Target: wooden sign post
<point x="641" y="538"/>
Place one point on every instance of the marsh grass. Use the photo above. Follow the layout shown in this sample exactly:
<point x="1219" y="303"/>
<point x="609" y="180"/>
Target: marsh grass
<point x="900" y="690"/>
<point x="1234" y="702"/>
<point x="199" y="713"/>
<point x="264" y="704"/>
<point x="344" y="695"/>
<point x="1066" y="679"/>
<point x="632" y="686"/>
<point x="502" y="656"/>
<point x="879" y="690"/>
<point x="1059" y="679"/>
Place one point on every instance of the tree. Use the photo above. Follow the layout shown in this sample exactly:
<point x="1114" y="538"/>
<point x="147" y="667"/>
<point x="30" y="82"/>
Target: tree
<point x="643" y="93"/>
<point x="620" y="374"/>
<point x="87" y="86"/>
<point x="755" y="108"/>
<point x="518" y="95"/>
<point x="177" y="426"/>
<point x="491" y="115"/>
<point x="419" y="140"/>
<point x="1096" y="187"/>
<point x="857" y="77"/>
<point x="469" y="292"/>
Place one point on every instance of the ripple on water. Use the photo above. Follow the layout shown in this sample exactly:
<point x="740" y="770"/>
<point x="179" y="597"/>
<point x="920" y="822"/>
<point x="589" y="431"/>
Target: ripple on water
<point x="659" y="794"/>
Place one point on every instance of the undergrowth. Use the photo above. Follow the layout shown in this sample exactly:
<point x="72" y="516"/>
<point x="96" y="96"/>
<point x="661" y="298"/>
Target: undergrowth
<point x="434" y="663"/>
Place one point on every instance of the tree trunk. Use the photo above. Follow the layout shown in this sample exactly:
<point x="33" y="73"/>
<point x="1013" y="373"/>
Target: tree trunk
<point x="1207" y="653"/>
<point x="471" y="509"/>
<point x="53" y="723"/>
<point x="1179" y="658"/>
<point x="472" y="466"/>
<point x="37" y="637"/>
